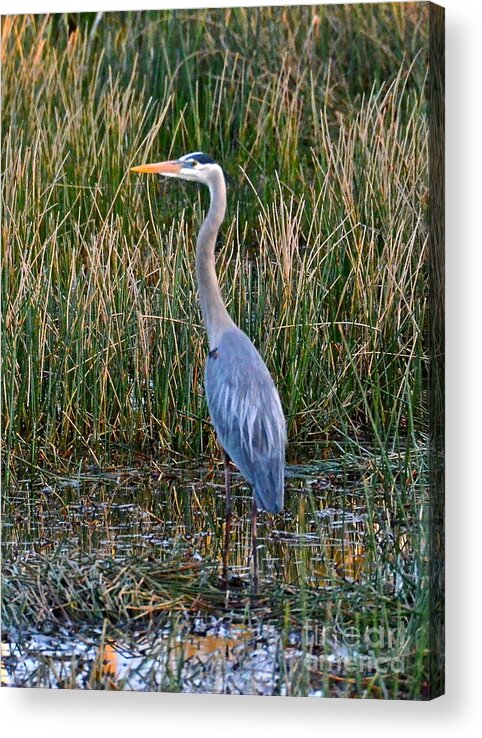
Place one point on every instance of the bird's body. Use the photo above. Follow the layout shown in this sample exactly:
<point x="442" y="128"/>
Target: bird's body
<point x="246" y="412"/>
<point x="242" y="398"/>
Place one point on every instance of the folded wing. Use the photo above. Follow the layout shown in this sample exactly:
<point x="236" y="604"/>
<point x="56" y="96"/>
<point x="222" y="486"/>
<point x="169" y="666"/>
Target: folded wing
<point x="246" y="412"/>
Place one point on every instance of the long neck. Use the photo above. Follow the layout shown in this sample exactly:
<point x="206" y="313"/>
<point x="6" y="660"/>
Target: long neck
<point x="215" y="315"/>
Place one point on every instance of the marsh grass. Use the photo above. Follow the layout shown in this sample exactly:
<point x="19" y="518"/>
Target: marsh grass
<point x="318" y="117"/>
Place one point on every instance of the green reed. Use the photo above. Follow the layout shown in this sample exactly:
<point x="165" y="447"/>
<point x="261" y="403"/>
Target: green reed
<point x="318" y="116"/>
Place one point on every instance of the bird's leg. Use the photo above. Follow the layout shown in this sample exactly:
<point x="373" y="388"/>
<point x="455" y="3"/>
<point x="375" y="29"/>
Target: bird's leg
<point x="227" y="531"/>
<point x="254" y="539"/>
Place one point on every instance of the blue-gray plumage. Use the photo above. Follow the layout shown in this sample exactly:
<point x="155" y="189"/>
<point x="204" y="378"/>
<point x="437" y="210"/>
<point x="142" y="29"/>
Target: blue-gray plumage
<point x="246" y="411"/>
<point x="243" y="402"/>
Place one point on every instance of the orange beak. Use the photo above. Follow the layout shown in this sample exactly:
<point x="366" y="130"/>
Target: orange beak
<point x="162" y="167"/>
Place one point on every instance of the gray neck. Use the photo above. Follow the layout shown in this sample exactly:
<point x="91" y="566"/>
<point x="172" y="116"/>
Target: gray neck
<point x="215" y="315"/>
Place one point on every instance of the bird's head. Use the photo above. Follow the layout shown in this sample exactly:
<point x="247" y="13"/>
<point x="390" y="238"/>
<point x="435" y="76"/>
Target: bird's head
<point x="195" y="167"/>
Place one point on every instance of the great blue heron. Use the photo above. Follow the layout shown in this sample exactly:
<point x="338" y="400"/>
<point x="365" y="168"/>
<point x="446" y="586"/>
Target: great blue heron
<point x="243" y="401"/>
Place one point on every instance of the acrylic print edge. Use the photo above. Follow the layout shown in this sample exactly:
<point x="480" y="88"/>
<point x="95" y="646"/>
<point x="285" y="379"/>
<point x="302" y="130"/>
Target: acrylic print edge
<point x="436" y="349"/>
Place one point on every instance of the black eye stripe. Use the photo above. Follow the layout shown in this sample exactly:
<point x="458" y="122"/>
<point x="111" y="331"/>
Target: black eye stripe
<point x="197" y="157"/>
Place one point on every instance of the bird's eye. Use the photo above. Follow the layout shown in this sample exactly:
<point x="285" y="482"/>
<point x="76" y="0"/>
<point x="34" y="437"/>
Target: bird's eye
<point x="194" y="162"/>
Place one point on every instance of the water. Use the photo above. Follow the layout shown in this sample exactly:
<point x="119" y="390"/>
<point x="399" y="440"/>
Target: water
<point x="274" y="642"/>
<point x="226" y="659"/>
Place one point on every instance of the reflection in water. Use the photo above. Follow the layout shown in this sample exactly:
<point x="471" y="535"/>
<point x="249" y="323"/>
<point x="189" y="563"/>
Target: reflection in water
<point x="233" y="660"/>
<point x="126" y="515"/>
<point x="322" y="539"/>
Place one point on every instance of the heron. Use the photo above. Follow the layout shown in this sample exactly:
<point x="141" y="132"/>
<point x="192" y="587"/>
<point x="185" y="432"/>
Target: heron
<point x="242" y="398"/>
